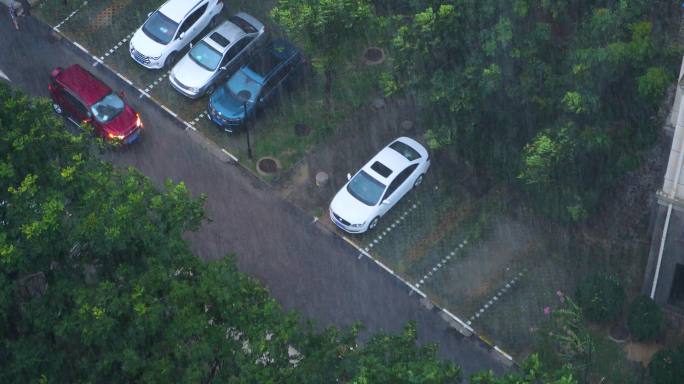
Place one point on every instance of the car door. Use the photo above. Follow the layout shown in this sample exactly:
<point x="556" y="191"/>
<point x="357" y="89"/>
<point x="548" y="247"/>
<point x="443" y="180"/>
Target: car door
<point x="190" y="26"/>
<point x="397" y="189"/>
<point x="74" y="108"/>
<point x="272" y="85"/>
<point x="235" y="55"/>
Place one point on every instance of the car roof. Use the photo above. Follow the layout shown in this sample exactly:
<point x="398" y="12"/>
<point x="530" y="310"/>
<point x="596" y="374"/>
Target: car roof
<point x="269" y="58"/>
<point x="177" y="9"/>
<point x="229" y="31"/>
<point x="393" y="160"/>
<point x="87" y="87"/>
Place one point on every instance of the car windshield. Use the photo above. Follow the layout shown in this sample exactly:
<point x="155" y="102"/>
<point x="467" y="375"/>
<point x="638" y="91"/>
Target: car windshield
<point x="160" y="28"/>
<point x="409" y="153"/>
<point x="107" y="108"/>
<point x="206" y="56"/>
<point x="365" y="188"/>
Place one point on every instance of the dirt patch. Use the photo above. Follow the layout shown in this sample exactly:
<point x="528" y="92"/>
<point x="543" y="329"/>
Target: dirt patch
<point x="641" y="353"/>
<point x="105" y="17"/>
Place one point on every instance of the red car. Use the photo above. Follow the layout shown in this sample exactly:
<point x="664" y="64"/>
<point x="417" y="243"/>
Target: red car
<point x="81" y="97"/>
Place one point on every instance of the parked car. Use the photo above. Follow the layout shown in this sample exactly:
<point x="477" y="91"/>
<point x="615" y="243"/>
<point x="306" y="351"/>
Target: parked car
<point x="219" y="53"/>
<point x="157" y="43"/>
<point x="379" y="185"/>
<point x="81" y="97"/>
<point x="254" y="85"/>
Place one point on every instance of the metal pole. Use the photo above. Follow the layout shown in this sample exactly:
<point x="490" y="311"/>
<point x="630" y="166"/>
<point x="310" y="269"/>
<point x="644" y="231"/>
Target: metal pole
<point x="244" y="121"/>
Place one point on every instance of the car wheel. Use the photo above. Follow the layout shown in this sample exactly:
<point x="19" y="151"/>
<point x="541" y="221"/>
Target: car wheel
<point x="170" y="59"/>
<point x="210" y="89"/>
<point x="373" y="223"/>
<point x="56" y="107"/>
<point x="418" y="181"/>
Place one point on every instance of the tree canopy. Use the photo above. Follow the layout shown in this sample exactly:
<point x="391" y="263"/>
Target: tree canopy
<point x="556" y="97"/>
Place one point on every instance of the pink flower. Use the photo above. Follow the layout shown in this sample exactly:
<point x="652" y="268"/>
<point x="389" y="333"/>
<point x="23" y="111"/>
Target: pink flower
<point x="561" y="296"/>
<point x="547" y="310"/>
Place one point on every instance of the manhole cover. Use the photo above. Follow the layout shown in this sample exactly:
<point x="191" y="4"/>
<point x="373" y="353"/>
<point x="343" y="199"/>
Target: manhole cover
<point x="267" y="165"/>
<point x="374" y="55"/>
<point x="301" y="129"/>
<point x="244" y="95"/>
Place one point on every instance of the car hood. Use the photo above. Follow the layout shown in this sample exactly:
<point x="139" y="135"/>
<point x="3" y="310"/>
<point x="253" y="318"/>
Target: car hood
<point x="350" y="208"/>
<point x="145" y="45"/>
<point x="123" y="123"/>
<point x="224" y="102"/>
<point x="189" y="73"/>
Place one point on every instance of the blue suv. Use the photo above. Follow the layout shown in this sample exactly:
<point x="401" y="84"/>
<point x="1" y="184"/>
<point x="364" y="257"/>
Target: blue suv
<point x="254" y="85"/>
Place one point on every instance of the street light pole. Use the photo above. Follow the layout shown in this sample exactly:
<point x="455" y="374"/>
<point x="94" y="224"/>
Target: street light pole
<point x="244" y="121"/>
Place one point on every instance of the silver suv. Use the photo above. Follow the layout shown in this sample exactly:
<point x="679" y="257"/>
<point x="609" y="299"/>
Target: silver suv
<point x="218" y="54"/>
<point x="169" y="29"/>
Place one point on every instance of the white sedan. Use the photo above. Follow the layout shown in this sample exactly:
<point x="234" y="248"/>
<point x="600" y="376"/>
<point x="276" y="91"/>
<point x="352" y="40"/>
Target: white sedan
<point x="379" y="185"/>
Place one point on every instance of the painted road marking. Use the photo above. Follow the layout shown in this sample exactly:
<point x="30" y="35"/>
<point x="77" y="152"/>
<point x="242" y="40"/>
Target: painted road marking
<point x="401" y="218"/>
<point x="510" y="284"/>
<point x="117" y="46"/>
<point x="158" y="81"/>
<point x="440" y="264"/>
<point x="70" y="16"/>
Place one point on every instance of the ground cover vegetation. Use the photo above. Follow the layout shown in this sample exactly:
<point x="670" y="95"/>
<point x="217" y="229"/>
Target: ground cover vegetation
<point x="555" y="98"/>
<point x="97" y="283"/>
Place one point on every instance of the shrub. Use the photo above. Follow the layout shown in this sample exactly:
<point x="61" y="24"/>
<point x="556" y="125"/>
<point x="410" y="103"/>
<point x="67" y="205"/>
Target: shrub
<point x="601" y="298"/>
<point x="645" y="321"/>
<point x="667" y="366"/>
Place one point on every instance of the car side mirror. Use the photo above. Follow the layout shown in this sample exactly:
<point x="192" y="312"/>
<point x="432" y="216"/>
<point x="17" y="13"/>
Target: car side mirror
<point x="191" y="45"/>
<point x="181" y="35"/>
<point x="149" y="14"/>
<point x="223" y="68"/>
<point x="121" y="94"/>
<point x="261" y="100"/>
<point x="386" y="201"/>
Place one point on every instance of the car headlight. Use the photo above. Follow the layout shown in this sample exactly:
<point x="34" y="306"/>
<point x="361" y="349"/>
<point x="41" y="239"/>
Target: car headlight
<point x="117" y="137"/>
<point x="138" y="122"/>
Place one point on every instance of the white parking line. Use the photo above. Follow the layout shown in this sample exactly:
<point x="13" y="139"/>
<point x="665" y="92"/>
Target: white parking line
<point x="157" y="82"/>
<point x="496" y="297"/>
<point x="56" y="27"/>
<point x="116" y="46"/>
<point x="441" y="263"/>
<point x="384" y="233"/>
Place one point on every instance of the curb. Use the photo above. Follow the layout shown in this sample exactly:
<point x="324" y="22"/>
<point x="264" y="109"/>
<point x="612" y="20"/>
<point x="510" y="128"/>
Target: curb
<point x="454" y="321"/>
<point x="234" y="159"/>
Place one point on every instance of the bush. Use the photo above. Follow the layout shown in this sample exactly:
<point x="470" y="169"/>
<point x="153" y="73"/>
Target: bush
<point x="667" y="366"/>
<point x="645" y="321"/>
<point x="601" y="298"/>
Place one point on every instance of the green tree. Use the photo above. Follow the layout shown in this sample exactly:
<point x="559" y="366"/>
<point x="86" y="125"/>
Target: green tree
<point x="532" y="371"/>
<point x="327" y="29"/>
<point x="645" y="319"/>
<point x="498" y="81"/>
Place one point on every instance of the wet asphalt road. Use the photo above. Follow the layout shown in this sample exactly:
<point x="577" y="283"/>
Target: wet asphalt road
<point x="305" y="267"/>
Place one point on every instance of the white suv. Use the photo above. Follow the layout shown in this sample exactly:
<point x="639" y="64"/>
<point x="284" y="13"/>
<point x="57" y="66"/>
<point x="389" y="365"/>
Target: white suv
<point x="169" y="29"/>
